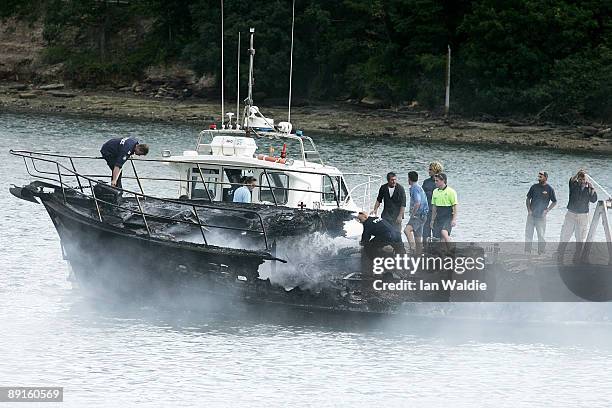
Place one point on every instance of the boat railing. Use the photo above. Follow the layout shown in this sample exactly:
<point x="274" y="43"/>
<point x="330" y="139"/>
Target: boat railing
<point x="365" y="196"/>
<point x="360" y="193"/>
<point x="86" y="182"/>
<point x="139" y="179"/>
<point x="308" y="150"/>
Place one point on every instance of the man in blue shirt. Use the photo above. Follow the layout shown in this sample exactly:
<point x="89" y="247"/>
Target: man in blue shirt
<point x="117" y="151"/>
<point x="243" y="194"/>
<point x="419" y="209"/>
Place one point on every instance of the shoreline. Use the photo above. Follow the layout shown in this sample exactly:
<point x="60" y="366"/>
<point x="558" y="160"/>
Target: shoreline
<point x="341" y="118"/>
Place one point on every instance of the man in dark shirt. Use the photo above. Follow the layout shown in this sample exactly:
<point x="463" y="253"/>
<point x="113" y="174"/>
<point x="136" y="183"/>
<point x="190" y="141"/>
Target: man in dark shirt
<point x="117" y="151"/>
<point x="429" y="185"/>
<point x="378" y="231"/>
<point x="393" y="196"/>
<point x="576" y="221"/>
<point x="539" y="197"/>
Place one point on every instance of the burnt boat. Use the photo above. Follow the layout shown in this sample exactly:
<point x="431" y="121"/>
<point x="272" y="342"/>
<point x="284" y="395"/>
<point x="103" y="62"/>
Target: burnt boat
<point x="195" y="240"/>
<point x="130" y="243"/>
<point x="216" y="253"/>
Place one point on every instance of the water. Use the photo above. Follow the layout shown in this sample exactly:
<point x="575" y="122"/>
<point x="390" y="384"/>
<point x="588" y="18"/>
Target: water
<point x="106" y="354"/>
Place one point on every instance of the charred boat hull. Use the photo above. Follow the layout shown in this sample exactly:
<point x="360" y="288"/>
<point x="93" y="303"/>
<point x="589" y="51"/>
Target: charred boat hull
<point x="109" y="259"/>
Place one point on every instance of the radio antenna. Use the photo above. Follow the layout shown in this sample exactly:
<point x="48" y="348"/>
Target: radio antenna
<point x="222" y="95"/>
<point x="291" y="62"/>
<point x="249" y="99"/>
<point x="238" y="84"/>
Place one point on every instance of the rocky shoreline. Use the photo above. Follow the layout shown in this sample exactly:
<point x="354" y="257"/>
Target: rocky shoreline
<point x="341" y="118"/>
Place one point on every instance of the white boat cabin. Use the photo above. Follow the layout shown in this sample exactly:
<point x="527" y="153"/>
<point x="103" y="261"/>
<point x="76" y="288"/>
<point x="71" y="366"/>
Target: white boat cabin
<point x="294" y="177"/>
<point x="223" y="157"/>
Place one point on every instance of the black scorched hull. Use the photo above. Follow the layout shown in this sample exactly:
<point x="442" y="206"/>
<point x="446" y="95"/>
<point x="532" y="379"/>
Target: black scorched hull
<point x="107" y="259"/>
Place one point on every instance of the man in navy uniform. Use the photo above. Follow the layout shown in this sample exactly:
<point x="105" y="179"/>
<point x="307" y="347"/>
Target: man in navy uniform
<point x="379" y="232"/>
<point x="117" y="151"/>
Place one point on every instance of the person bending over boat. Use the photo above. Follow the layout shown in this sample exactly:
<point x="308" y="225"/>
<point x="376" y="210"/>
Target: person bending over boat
<point x="117" y="151"/>
<point x="379" y="232"/>
<point x="243" y="194"/>
<point x="393" y="196"/>
<point x="444" y="209"/>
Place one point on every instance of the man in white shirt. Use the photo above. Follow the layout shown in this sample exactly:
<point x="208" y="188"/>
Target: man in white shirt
<point x="243" y="194"/>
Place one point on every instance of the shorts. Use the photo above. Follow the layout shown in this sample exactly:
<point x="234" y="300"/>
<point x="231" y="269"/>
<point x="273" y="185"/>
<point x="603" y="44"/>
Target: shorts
<point x="442" y="223"/>
<point x="417" y="222"/>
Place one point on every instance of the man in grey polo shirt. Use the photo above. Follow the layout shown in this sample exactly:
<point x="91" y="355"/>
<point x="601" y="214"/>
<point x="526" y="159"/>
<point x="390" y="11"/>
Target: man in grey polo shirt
<point x="539" y="197"/>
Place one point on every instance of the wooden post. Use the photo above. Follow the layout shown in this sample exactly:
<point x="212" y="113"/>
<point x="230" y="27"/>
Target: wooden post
<point x="600" y="214"/>
<point x="447" y="97"/>
<point x="606" y="226"/>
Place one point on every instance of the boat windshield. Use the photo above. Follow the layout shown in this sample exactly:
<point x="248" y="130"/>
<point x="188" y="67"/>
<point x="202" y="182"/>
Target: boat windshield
<point x="328" y="189"/>
<point x="280" y="184"/>
<point x="211" y="177"/>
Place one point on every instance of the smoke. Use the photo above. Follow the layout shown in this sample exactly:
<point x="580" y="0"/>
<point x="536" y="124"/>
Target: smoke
<point x="311" y="261"/>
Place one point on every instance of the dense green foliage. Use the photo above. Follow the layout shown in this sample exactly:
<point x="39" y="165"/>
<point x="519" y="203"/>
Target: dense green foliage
<point x="547" y="57"/>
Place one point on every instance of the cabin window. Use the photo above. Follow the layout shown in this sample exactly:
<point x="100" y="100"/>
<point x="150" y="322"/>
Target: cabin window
<point x="328" y="190"/>
<point x="343" y="190"/>
<point x="280" y="184"/>
<point x="211" y="177"/>
<point x="233" y="176"/>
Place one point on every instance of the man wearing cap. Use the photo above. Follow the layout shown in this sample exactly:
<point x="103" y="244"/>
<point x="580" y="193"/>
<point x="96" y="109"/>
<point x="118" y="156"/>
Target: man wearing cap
<point x="540" y="200"/>
<point x="444" y="208"/>
<point x="117" y="151"/>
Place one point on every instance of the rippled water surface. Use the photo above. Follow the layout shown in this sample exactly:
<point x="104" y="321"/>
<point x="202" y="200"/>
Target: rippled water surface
<point x="107" y="354"/>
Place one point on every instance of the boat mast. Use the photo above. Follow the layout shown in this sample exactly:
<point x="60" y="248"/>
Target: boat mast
<point x="222" y="95"/>
<point x="238" y="86"/>
<point x="291" y="63"/>
<point x="249" y="100"/>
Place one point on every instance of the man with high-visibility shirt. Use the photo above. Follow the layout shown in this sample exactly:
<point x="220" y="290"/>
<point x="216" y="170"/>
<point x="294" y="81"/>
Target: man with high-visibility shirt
<point x="444" y="208"/>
